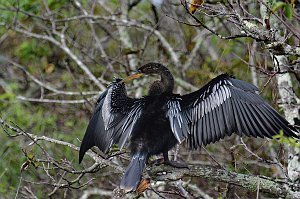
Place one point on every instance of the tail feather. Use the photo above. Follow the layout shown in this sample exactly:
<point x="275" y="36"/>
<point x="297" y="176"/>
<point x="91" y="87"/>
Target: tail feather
<point x="134" y="172"/>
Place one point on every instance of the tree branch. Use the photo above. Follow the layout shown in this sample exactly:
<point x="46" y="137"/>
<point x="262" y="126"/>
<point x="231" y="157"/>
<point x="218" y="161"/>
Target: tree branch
<point x="66" y="50"/>
<point x="47" y="85"/>
<point x="131" y="23"/>
<point x="43" y="100"/>
<point x="276" y="187"/>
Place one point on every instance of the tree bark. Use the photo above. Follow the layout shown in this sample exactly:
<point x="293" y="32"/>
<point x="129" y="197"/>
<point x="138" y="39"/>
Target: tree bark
<point x="278" y="188"/>
<point x="287" y="96"/>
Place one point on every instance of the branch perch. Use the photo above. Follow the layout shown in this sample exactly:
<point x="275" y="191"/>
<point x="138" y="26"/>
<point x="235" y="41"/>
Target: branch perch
<point x="276" y="187"/>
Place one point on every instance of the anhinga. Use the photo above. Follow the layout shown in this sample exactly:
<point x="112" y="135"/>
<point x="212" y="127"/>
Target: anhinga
<point x="157" y="122"/>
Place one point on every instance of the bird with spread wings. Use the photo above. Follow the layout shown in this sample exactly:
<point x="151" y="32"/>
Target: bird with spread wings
<point x="154" y="124"/>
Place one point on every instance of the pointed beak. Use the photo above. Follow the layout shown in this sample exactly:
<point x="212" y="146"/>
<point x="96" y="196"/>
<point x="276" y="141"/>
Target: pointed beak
<point x="132" y="77"/>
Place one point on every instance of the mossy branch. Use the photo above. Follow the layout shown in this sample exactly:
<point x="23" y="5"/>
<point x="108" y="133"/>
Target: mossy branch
<point x="277" y="187"/>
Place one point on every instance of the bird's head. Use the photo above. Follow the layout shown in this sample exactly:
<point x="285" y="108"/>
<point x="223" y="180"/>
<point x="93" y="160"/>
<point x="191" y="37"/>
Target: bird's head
<point x="150" y="68"/>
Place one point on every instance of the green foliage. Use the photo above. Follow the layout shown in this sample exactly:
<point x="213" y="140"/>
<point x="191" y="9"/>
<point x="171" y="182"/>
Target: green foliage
<point x="10" y="168"/>
<point x="39" y="120"/>
<point x="288" y="10"/>
<point x="54" y="4"/>
<point x="286" y="140"/>
<point x="32" y="51"/>
<point x="287" y="7"/>
<point x="31" y="6"/>
<point x="278" y="5"/>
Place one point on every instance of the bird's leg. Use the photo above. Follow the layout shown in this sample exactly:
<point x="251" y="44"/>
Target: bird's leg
<point x="156" y="162"/>
<point x="173" y="163"/>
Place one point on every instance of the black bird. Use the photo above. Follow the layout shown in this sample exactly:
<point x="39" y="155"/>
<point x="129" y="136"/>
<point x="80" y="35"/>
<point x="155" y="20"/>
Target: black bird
<point x="157" y="122"/>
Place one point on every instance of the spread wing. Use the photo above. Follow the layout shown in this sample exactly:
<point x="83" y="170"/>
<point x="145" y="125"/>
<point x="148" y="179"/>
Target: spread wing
<point x="113" y="120"/>
<point x="224" y="106"/>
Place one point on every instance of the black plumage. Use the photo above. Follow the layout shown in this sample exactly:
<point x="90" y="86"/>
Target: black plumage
<point x="157" y="122"/>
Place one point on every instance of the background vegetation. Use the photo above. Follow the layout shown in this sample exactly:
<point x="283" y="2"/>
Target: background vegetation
<point x="57" y="56"/>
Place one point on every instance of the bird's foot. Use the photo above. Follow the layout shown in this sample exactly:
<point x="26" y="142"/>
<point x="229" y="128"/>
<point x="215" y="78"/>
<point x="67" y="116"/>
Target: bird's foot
<point x="157" y="162"/>
<point x="176" y="164"/>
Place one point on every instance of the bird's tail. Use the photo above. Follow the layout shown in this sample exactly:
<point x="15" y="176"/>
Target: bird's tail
<point x="134" y="172"/>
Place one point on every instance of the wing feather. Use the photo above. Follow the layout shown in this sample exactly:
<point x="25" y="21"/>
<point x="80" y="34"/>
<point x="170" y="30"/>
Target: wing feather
<point x="237" y="118"/>
<point x="205" y="131"/>
<point x="113" y="120"/>
<point x="279" y="120"/>
<point x="276" y="121"/>
<point x="216" y="124"/>
<point x="224" y="106"/>
<point x="200" y="132"/>
<point x="244" y="121"/>
<point x="229" y="119"/>
<point x="252" y="126"/>
<point x="254" y="119"/>
<point x="222" y="124"/>
<point x="195" y="136"/>
<point x="212" y="127"/>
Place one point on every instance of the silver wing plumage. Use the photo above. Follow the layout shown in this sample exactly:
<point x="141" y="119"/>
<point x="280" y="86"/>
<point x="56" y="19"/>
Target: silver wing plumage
<point x="222" y="107"/>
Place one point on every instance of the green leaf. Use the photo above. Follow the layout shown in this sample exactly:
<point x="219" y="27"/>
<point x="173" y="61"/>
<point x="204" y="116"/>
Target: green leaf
<point x="277" y="6"/>
<point x="288" y="10"/>
<point x="30" y="156"/>
<point x="35" y="164"/>
<point x="8" y="96"/>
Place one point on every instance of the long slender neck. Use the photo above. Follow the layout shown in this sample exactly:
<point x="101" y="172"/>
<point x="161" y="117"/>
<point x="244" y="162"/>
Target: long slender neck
<point x="167" y="80"/>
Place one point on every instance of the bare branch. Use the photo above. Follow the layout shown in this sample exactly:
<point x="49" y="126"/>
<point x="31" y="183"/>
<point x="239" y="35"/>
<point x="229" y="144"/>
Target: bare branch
<point x="48" y="86"/>
<point x="22" y="98"/>
<point x="132" y="23"/>
<point x="95" y="191"/>
<point x="66" y="50"/>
